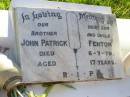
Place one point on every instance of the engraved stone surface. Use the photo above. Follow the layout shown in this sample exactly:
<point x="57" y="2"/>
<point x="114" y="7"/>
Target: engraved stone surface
<point x="61" y="45"/>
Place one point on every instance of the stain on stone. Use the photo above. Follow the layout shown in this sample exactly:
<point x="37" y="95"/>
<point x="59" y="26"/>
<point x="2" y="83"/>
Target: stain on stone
<point x="99" y="74"/>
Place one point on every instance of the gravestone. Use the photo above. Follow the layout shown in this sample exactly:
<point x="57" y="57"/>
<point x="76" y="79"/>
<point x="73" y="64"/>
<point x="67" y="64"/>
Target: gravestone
<point x="7" y="37"/>
<point x="55" y="45"/>
<point x="4" y="45"/>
